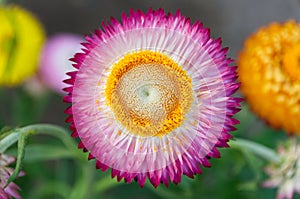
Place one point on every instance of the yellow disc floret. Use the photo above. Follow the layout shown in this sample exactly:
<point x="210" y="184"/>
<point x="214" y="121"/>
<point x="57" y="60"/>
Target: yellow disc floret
<point x="149" y="93"/>
<point x="21" y="38"/>
<point x="269" y="70"/>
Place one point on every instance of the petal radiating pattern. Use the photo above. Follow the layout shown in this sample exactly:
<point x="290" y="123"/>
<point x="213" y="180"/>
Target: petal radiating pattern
<point x="151" y="97"/>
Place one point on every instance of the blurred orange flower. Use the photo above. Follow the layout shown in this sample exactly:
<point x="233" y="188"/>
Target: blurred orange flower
<point x="269" y="70"/>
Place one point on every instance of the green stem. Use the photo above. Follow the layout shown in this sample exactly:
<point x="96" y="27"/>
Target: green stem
<point x="20" y="135"/>
<point x="46" y="129"/>
<point x="85" y="176"/>
<point x="83" y="183"/>
<point x="255" y="148"/>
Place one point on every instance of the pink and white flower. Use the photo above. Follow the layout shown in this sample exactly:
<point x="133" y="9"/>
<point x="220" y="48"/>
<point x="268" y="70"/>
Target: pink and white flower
<point x="151" y="97"/>
<point x="285" y="175"/>
<point x="11" y="190"/>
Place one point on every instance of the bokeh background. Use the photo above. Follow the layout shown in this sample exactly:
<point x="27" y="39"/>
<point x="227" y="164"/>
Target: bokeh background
<point x="232" y="176"/>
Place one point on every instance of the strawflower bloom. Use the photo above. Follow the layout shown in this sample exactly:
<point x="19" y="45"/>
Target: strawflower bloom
<point x="21" y="38"/>
<point x="285" y="175"/>
<point x="54" y="57"/>
<point x="151" y="97"/>
<point x="5" y="172"/>
<point x="269" y="70"/>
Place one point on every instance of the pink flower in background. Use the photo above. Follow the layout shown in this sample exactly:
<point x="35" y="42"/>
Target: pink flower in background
<point x="285" y="175"/>
<point x="151" y="97"/>
<point x="5" y="172"/>
<point x="54" y="60"/>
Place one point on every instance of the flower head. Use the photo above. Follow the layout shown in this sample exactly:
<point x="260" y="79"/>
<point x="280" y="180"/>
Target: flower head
<point x="286" y="174"/>
<point x="151" y="97"/>
<point x="21" y="38"/>
<point x="54" y="59"/>
<point x="11" y="190"/>
<point x="269" y="70"/>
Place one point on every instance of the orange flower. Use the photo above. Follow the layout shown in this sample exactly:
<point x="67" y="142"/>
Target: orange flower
<point x="269" y="70"/>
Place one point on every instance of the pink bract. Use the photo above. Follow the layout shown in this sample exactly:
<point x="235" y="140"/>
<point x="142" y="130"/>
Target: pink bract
<point x="11" y="190"/>
<point x="181" y="152"/>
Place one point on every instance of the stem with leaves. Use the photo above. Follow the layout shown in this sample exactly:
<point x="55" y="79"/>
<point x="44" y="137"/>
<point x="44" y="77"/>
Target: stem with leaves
<point x="21" y="134"/>
<point x="255" y="148"/>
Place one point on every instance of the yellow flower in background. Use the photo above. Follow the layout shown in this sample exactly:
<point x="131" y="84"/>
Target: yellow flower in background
<point x="21" y="38"/>
<point x="269" y="70"/>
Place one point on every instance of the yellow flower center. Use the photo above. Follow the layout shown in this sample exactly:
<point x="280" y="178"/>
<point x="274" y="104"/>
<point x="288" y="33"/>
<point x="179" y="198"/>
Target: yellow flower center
<point x="291" y="61"/>
<point x="149" y="93"/>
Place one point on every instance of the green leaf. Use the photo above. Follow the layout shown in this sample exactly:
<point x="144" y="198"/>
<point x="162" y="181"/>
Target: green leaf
<point x="50" y="188"/>
<point x="5" y="131"/>
<point x="44" y="152"/>
<point x="83" y="183"/>
<point x="105" y="183"/>
<point x="39" y="152"/>
<point x="248" y="186"/>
